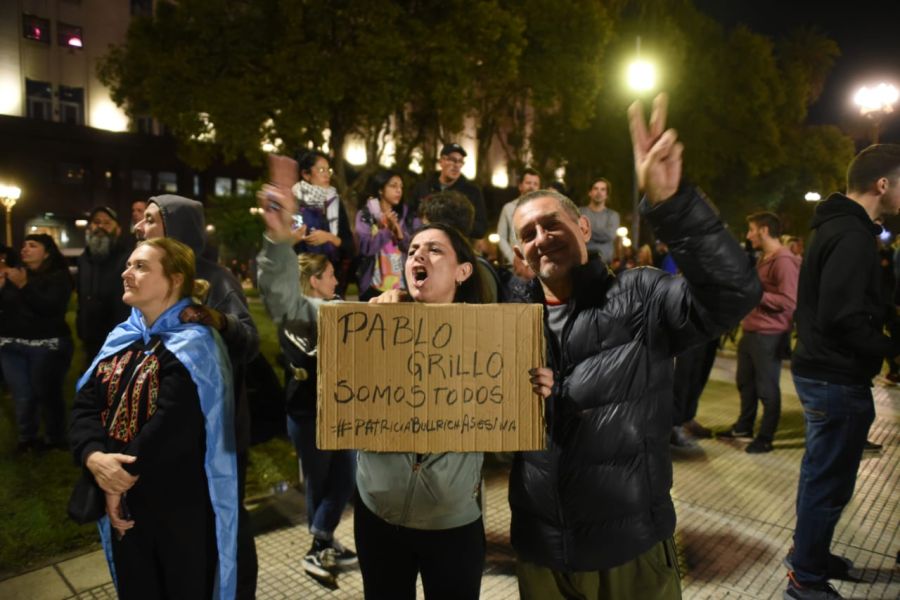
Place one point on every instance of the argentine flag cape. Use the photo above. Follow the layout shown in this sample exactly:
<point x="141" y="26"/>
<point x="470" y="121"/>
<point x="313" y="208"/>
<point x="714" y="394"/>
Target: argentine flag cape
<point x="201" y="351"/>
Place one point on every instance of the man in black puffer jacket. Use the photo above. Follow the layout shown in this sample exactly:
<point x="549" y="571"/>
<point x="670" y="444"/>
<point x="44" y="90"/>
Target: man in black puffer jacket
<point x="592" y="515"/>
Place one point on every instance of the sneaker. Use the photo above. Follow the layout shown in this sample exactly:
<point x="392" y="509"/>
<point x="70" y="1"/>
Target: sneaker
<point x="680" y="438"/>
<point x="795" y="591"/>
<point x="759" y="446"/>
<point x="697" y="430"/>
<point x="838" y="567"/>
<point x="320" y="563"/>
<point x="733" y="434"/>
<point x="343" y="557"/>
<point x="872" y="447"/>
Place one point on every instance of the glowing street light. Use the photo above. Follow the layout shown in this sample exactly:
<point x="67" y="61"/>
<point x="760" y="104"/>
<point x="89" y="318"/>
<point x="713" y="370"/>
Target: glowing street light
<point x="622" y="232"/>
<point x="641" y="75"/>
<point x="494" y="238"/>
<point x="875" y="103"/>
<point x="9" y="195"/>
<point x="812" y="196"/>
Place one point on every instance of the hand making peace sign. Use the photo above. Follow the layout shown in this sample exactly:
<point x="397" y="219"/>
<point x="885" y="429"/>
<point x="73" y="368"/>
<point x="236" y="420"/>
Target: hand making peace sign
<point x="657" y="151"/>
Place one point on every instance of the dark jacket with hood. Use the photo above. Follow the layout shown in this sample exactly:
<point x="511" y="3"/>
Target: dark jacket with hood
<point x="99" y="288"/>
<point x="840" y="305"/>
<point x="599" y="496"/>
<point x="432" y="185"/>
<point x="183" y="220"/>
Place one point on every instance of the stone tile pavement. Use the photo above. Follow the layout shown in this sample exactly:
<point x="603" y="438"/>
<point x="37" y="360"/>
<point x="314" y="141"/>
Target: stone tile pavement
<point x="735" y="520"/>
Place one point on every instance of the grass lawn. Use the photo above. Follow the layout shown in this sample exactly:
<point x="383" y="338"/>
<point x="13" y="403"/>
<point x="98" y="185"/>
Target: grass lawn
<point x="33" y="523"/>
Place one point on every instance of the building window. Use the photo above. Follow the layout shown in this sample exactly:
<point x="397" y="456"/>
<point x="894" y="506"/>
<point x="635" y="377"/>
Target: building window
<point x="223" y="186"/>
<point x="141" y="180"/>
<point x="167" y="181"/>
<point x="70" y="173"/>
<point x="141" y="8"/>
<point x="36" y="28"/>
<point x="143" y="124"/>
<point x="69" y="36"/>
<point x="71" y="105"/>
<point x="39" y="96"/>
<point x="243" y="186"/>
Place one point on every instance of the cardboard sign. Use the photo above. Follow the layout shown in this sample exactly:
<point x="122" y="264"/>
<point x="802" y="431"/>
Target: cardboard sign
<point x="413" y="377"/>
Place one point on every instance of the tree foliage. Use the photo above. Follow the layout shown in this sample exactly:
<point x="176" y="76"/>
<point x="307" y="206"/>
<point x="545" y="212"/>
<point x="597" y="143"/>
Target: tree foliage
<point x="739" y="102"/>
<point x="540" y="78"/>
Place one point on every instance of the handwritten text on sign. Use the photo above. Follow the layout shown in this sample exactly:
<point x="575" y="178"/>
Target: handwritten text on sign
<point x="429" y="378"/>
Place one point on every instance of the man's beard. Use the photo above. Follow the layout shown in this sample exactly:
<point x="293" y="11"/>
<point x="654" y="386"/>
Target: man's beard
<point x="100" y="244"/>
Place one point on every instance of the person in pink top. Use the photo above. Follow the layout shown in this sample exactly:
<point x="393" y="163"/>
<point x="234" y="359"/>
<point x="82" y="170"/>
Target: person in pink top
<point x="766" y="333"/>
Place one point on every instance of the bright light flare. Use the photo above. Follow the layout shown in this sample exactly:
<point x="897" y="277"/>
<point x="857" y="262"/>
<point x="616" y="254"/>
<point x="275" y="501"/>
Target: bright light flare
<point x="11" y="192"/>
<point x="494" y="238"/>
<point x="74" y="42"/>
<point x="880" y="98"/>
<point x="641" y="75"/>
<point x="626" y="242"/>
<point x="812" y="196"/>
<point x="622" y="232"/>
<point x="106" y="115"/>
<point x="500" y="178"/>
<point x="81" y="223"/>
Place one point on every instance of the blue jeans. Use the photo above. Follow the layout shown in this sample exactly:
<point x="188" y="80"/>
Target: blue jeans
<point x="35" y="377"/>
<point x="330" y="477"/>
<point x="837" y="424"/>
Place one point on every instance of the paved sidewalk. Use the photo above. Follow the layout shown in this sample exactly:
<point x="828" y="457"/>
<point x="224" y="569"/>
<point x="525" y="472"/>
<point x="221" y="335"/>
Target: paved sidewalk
<point x="735" y="520"/>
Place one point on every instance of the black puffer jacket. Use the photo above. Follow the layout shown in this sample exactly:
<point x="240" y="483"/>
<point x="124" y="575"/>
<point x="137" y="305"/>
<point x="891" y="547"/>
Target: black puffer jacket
<point x="599" y="496"/>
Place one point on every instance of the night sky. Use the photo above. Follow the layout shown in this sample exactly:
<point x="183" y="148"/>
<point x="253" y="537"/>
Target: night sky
<point x="867" y="31"/>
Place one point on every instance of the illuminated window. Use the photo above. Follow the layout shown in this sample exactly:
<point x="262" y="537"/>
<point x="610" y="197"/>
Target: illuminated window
<point x="167" y="181"/>
<point x="70" y="173"/>
<point x="141" y="180"/>
<point x="244" y="186"/>
<point x="39" y="96"/>
<point x="69" y="36"/>
<point x="223" y="186"/>
<point x="35" y="28"/>
<point x="71" y="105"/>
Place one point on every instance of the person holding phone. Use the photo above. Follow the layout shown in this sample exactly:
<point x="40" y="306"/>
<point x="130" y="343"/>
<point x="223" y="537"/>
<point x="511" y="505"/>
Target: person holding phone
<point x="153" y="425"/>
<point x="383" y="226"/>
<point x="322" y="226"/>
<point x="35" y="341"/>
<point x="292" y="288"/>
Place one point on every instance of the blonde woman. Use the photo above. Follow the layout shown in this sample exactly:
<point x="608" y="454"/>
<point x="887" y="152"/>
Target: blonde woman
<point x="152" y="424"/>
<point x="293" y="288"/>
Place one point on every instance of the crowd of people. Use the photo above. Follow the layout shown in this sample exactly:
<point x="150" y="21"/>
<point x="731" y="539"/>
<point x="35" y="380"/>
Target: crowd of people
<point x="160" y="422"/>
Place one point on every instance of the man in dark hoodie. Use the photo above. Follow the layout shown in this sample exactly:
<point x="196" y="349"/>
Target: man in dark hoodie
<point x="841" y="344"/>
<point x="225" y="309"/>
<point x="99" y="283"/>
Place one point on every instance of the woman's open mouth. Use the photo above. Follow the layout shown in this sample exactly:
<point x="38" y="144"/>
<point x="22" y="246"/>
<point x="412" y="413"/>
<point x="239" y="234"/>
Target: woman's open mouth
<point x="419" y="275"/>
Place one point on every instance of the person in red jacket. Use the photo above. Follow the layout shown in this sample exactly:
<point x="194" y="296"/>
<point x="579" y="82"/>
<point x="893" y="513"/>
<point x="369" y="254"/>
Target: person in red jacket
<point x="766" y="333"/>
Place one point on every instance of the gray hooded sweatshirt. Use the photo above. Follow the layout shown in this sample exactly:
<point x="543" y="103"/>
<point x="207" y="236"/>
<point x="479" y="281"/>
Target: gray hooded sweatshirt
<point x="183" y="220"/>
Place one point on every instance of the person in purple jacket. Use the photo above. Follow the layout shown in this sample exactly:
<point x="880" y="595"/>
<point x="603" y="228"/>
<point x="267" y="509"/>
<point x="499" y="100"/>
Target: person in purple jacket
<point x="383" y="226"/>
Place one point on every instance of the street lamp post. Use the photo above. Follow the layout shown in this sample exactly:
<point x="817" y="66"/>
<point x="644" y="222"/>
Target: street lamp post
<point x="876" y="102"/>
<point x="9" y="195"/>
<point x="641" y="79"/>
